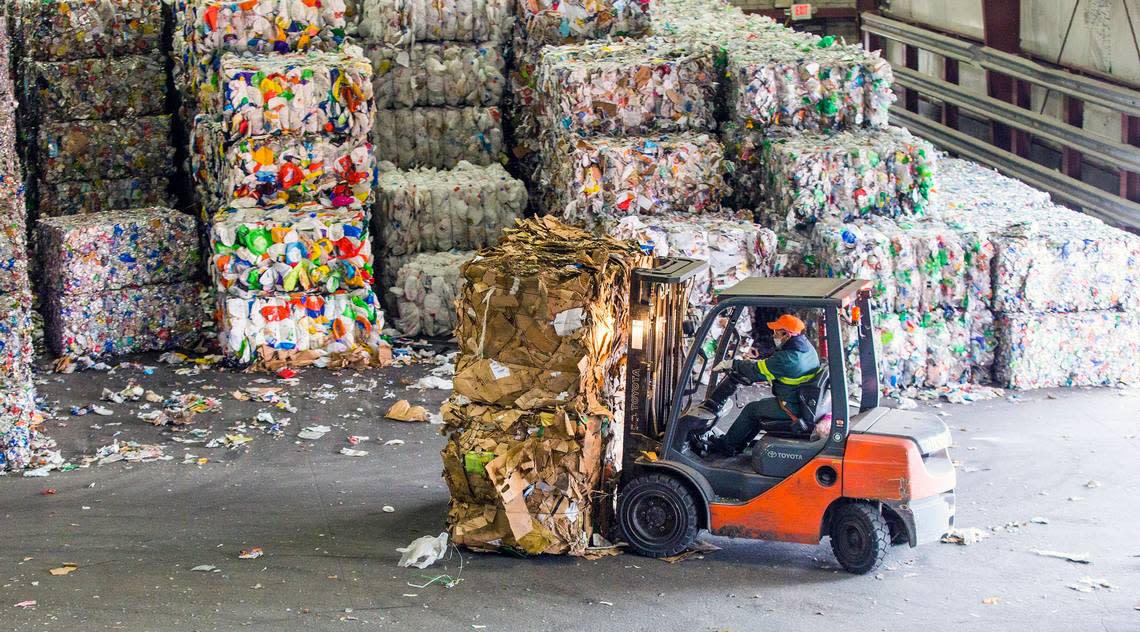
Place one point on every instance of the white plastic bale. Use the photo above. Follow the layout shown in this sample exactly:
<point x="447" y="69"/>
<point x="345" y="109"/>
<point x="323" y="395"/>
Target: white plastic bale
<point x="587" y="180"/>
<point x="437" y="74"/>
<point x="1090" y="348"/>
<point x="439" y="137"/>
<point x="262" y="26"/>
<point x="425" y="291"/>
<point x="429" y="210"/>
<point x="403" y="22"/>
<point x="564" y="21"/>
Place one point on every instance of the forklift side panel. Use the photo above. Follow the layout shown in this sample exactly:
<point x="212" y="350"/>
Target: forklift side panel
<point x="926" y="520"/>
<point x="879" y="467"/>
<point x="789" y="512"/>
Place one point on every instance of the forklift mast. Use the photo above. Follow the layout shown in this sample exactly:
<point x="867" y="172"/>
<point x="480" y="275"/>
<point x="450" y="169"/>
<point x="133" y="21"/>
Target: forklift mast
<point x="659" y="303"/>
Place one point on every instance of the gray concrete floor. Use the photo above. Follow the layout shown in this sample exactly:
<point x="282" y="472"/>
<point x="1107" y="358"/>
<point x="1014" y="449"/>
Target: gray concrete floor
<point x="135" y="531"/>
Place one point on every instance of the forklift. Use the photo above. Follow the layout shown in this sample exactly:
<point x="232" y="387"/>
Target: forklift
<point x="878" y="477"/>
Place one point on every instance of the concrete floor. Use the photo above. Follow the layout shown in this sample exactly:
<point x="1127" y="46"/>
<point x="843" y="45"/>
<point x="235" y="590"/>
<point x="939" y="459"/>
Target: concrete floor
<point x="135" y="531"/>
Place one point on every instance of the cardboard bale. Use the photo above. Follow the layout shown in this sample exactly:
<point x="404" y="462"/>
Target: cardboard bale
<point x="117" y="249"/>
<point x="567" y="21"/>
<point x="439" y="137"/>
<point x="301" y="329"/>
<point x="125" y="321"/>
<point x="425" y="292"/>
<point x="429" y="210"/>
<point x="76" y="197"/>
<point x="125" y="87"/>
<point x="296" y="94"/>
<point x="105" y="150"/>
<point x="851" y="174"/>
<point x="404" y="22"/>
<point x="437" y="74"/>
<point x="626" y="87"/>
<point x="587" y="180"/>
<point x="293" y="249"/>
<point x="1089" y="348"/>
<point x="79" y="29"/>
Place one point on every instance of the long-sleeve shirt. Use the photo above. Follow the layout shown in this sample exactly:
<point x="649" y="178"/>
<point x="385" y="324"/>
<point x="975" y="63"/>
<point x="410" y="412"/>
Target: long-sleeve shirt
<point x="793" y="364"/>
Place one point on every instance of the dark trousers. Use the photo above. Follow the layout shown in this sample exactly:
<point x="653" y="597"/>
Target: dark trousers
<point x="764" y="414"/>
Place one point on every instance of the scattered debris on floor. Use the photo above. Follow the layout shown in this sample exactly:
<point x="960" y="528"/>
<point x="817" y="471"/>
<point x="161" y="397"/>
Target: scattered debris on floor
<point x="698" y="550"/>
<point x="403" y="410"/>
<point x="1089" y="584"/>
<point x="351" y="452"/>
<point x="251" y="553"/>
<point x="313" y="433"/>
<point x="65" y="569"/>
<point x="204" y="568"/>
<point x="423" y="552"/>
<point x="129" y="451"/>
<point x="965" y="537"/>
<point x="1076" y="558"/>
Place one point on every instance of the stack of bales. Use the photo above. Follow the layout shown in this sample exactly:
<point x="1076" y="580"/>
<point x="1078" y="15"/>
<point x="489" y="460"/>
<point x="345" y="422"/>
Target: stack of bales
<point x="94" y="86"/>
<point x="534" y="427"/>
<point x="439" y="78"/>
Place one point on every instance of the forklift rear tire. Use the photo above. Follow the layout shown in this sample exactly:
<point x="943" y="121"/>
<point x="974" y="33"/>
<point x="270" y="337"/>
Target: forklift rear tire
<point x="658" y="515"/>
<point x="860" y="537"/>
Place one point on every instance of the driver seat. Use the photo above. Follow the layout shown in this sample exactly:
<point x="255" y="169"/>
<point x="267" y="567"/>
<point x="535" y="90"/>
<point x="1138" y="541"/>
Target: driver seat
<point x="781" y="454"/>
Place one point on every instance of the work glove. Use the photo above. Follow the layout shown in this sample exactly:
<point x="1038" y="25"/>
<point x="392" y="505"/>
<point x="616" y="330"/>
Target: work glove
<point x="723" y="365"/>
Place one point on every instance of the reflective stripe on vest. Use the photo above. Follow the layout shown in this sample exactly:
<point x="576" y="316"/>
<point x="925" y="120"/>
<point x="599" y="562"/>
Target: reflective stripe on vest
<point x="790" y="381"/>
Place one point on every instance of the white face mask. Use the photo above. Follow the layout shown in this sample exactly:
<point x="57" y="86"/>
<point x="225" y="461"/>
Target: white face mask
<point x="780" y="338"/>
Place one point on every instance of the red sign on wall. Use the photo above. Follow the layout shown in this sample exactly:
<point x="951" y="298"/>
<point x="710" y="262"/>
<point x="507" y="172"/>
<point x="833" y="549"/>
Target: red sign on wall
<point x="801" y="11"/>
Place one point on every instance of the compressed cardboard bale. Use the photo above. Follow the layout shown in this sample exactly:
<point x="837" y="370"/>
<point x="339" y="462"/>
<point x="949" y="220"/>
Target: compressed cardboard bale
<point x="105" y="150"/>
<point x="851" y="174"/>
<point x="76" y="197"/>
<point x="587" y="180"/>
<point x="437" y="74"/>
<point x="117" y="249"/>
<point x="566" y="21"/>
<point x="302" y="248"/>
<point x="301" y="329"/>
<point x="16" y="332"/>
<point x="125" y="321"/>
<point x="297" y="93"/>
<point x="626" y="87"/>
<point x="124" y="87"/>
<point x="425" y="291"/>
<point x="736" y="249"/>
<point x="442" y="138"/>
<point x="1089" y="348"/>
<point x="80" y="29"/>
<point x="429" y="210"/>
<point x="404" y="22"/>
<point x="263" y="26"/>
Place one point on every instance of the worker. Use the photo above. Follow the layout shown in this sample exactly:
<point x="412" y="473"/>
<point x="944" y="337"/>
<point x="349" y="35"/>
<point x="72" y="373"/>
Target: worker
<point x="794" y="363"/>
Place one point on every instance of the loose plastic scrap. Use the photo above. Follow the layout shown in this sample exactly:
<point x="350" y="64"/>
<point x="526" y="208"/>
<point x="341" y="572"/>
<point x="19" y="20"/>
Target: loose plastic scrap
<point x="80" y="29"/>
<point x="318" y="326"/>
<point x="1090" y="348"/>
<point x="439" y="137"/>
<point x="95" y="150"/>
<point x="437" y="74"/>
<point x="269" y="171"/>
<point x="124" y="321"/>
<point x="567" y="21"/>
<point x="125" y="87"/>
<point x="428" y="210"/>
<point x="850" y="174"/>
<point x="76" y="197"/>
<point x="290" y="249"/>
<point x="117" y="249"/>
<point x="404" y="22"/>
<point x="16" y="332"/>
<point x="425" y="291"/>
<point x="589" y="179"/>
<point x="626" y="87"/>
<point x="298" y="93"/>
<point x="735" y="249"/>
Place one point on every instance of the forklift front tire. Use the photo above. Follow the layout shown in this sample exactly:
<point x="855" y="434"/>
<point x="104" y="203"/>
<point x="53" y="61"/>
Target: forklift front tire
<point x="658" y="515"/>
<point x="860" y="537"/>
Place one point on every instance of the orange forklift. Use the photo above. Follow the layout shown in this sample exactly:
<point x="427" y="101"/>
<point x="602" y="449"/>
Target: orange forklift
<point x="877" y="477"/>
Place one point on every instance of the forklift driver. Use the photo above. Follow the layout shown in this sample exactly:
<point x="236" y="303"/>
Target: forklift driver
<point x="794" y="363"/>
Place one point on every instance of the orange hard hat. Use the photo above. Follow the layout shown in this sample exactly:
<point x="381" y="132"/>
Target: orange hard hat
<point x="787" y="322"/>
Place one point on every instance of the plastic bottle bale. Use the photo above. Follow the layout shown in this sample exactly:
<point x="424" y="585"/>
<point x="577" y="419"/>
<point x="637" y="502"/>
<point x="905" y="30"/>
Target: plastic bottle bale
<point x="80" y="29"/>
<point x="425" y="291"/>
<point x="13" y="255"/>
<point x="587" y="180"/>
<point x="125" y="87"/>
<point x="114" y="322"/>
<point x="296" y="94"/>
<point x="270" y="171"/>
<point x="17" y="414"/>
<point x="627" y="87"/>
<point x="437" y="74"/>
<point x="569" y="21"/>
<point x="293" y="249"/>
<point x="1090" y="348"/>
<point x="429" y="210"/>
<point x="404" y="22"/>
<point x="263" y="26"/>
<point x="105" y="150"/>
<point x="442" y="138"/>
<point x="16" y="332"/>
<point x="77" y="197"/>
<point x="325" y="330"/>
<point x="117" y="249"/>
<point x="850" y="174"/>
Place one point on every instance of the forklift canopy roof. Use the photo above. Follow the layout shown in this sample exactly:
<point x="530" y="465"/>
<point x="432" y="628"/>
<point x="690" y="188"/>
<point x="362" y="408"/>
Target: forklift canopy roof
<point x="802" y="292"/>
